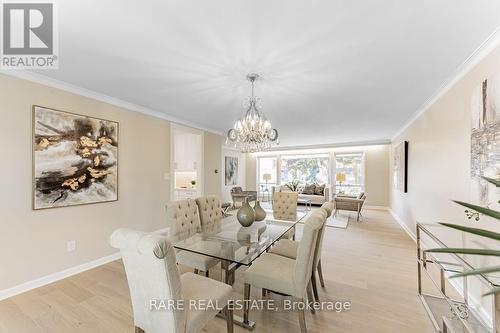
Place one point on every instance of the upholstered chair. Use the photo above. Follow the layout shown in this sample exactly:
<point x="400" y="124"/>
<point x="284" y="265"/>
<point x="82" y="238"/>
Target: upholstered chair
<point x="285" y="208"/>
<point x="350" y="203"/>
<point x="154" y="279"/>
<point x="288" y="248"/>
<point x="184" y="220"/>
<point x="238" y="195"/>
<point x="210" y="213"/>
<point x="285" y="205"/>
<point x="285" y="275"/>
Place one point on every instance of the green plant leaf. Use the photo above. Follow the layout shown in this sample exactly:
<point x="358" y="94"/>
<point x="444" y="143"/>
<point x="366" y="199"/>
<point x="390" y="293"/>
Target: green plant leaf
<point x="481" y="252"/>
<point x="483" y="210"/>
<point x="484" y="270"/>
<point x="475" y="231"/>
<point x="492" y="292"/>
<point x="494" y="181"/>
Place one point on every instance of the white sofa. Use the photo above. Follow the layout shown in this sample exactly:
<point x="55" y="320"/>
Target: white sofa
<point x="315" y="199"/>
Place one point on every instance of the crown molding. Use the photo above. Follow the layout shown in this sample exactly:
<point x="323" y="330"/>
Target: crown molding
<point x="479" y="54"/>
<point x="331" y="145"/>
<point x="61" y="85"/>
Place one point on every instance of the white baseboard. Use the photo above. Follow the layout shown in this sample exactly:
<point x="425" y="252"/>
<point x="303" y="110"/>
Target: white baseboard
<point x="37" y="283"/>
<point x="375" y="207"/>
<point x="51" y="278"/>
<point x="403" y="225"/>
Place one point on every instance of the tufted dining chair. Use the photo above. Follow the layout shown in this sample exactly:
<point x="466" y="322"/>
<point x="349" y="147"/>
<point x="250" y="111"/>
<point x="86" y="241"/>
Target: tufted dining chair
<point x="285" y="208"/>
<point x="285" y="205"/>
<point x="284" y="275"/>
<point x="288" y="248"/>
<point x="153" y="278"/>
<point x="184" y="220"/>
<point x="210" y="213"/>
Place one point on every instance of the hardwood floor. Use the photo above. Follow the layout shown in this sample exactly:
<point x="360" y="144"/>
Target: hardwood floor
<point x="371" y="264"/>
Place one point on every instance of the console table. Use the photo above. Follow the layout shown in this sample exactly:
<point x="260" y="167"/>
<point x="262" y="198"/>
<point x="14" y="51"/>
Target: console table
<point x="449" y="311"/>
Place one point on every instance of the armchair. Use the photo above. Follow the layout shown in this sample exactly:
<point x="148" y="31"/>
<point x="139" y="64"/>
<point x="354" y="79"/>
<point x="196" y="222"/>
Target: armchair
<point x="350" y="204"/>
<point x="238" y="195"/>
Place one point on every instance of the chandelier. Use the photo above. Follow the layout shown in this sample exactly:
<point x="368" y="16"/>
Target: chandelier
<point x="253" y="132"/>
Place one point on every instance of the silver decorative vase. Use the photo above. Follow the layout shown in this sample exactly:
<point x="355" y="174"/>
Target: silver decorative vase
<point x="246" y="215"/>
<point x="260" y="213"/>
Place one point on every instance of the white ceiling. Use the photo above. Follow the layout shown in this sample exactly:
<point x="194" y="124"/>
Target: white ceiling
<point x="333" y="71"/>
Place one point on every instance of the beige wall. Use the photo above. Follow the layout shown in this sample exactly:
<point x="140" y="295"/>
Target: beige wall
<point x="376" y="170"/>
<point x="33" y="243"/>
<point x="439" y="154"/>
<point x="212" y="161"/>
<point x="377" y="175"/>
<point x="439" y="171"/>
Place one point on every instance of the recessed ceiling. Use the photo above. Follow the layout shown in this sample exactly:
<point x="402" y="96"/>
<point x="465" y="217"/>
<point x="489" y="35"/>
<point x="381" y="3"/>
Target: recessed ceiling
<point x="333" y="71"/>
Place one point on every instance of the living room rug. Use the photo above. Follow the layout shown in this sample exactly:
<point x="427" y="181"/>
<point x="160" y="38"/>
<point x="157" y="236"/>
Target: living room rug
<point x="338" y="221"/>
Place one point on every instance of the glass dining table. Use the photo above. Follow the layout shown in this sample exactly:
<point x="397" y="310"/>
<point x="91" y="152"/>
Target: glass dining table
<point x="237" y="246"/>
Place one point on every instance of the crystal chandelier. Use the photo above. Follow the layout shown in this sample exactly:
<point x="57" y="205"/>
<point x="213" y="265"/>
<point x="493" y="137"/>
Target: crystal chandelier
<point x="253" y="132"/>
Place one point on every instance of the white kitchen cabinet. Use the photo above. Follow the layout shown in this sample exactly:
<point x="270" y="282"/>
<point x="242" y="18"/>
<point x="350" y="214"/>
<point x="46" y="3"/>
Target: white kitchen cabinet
<point x="183" y="194"/>
<point x="187" y="151"/>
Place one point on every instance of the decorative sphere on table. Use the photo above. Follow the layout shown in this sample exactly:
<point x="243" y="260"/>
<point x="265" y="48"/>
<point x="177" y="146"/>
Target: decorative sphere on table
<point x="260" y="213"/>
<point x="246" y="214"/>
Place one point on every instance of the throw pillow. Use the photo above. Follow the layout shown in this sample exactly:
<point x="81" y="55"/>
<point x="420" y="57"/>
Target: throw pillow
<point x="309" y="189"/>
<point x="319" y="190"/>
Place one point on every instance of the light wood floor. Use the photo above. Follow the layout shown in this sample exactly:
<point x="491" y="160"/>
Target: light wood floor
<point x="371" y="264"/>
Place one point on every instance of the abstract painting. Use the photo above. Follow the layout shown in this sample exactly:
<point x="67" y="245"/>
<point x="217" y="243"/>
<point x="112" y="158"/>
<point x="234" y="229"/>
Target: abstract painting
<point x="400" y="167"/>
<point x="231" y="170"/>
<point x="485" y="140"/>
<point x="75" y="159"/>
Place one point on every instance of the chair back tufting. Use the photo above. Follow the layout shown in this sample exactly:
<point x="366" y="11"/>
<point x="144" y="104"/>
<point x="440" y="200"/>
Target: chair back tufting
<point x="183" y="218"/>
<point x="210" y="213"/>
<point x="285" y="205"/>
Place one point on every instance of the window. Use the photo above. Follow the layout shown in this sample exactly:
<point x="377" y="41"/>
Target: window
<point x="267" y="173"/>
<point x="306" y="169"/>
<point x="349" y="173"/>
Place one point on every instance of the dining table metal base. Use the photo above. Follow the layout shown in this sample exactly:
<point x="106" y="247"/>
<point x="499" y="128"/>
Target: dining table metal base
<point x="237" y="320"/>
<point x="235" y="246"/>
<point x="228" y="272"/>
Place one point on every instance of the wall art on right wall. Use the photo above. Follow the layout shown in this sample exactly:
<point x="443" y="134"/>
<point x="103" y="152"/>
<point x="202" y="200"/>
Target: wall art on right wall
<point x="485" y="140"/>
<point x="400" y="167"/>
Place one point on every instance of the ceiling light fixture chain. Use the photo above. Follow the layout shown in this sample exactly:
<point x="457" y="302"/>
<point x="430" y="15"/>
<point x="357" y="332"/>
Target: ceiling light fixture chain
<point x="253" y="132"/>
